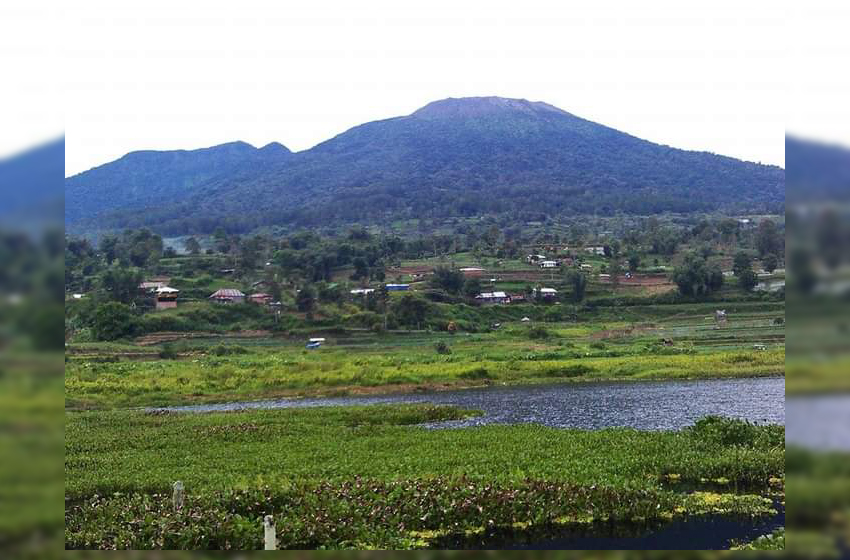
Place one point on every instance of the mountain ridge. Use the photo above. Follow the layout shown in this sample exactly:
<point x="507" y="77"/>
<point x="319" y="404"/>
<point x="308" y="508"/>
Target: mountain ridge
<point x="456" y="157"/>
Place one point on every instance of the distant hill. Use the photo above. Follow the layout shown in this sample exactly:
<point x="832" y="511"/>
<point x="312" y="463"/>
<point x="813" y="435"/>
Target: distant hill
<point x="455" y="157"/>
<point x="151" y="178"/>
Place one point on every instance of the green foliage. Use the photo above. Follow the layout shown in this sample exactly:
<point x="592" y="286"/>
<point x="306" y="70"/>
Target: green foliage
<point x="449" y="279"/>
<point x="695" y="277"/>
<point x="383" y="482"/>
<point x="228" y="350"/>
<point x="306" y="299"/>
<point x="741" y="263"/>
<point x="578" y="281"/>
<point x="717" y="430"/>
<point x="538" y="332"/>
<point x="768" y="239"/>
<point x="121" y="284"/>
<point x="113" y="320"/>
<point x="168" y="352"/>
<point x="748" y="280"/>
<point x="442" y="348"/>
<point x="770" y="262"/>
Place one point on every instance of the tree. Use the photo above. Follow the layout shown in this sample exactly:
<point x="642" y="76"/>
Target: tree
<point x="410" y="310"/>
<point x="768" y="239"/>
<point x="741" y="263"/>
<point x="694" y="277"/>
<point x="306" y="299"/>
<point x="747" y="279"/>
<point x="193" y="246"/>
<point x="615" y="269"/>
<point x="472" y="287"/>
<point x="634" y="262"/>
<point x="109" y="248"/>
<point x="449" y="279"/>
<point x="578" y="281"/>
<point x="361" y="268"/>
<point x="769" y="262"/>
<point x="121" y="284"/>
<point x="113" y="320"/>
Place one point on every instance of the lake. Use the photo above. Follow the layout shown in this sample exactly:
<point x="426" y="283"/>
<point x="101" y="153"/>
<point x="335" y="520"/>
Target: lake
<point x="645" y="405"/>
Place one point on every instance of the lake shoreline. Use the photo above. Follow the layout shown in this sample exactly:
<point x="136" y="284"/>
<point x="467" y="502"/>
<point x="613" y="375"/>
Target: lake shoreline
<point x="420" y="389"/>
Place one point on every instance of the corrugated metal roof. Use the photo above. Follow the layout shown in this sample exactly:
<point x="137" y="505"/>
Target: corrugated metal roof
<point x="491" y="295"/>
<point x="227" y="293"/>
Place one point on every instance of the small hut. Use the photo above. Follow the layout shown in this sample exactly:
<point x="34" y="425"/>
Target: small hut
<point x="228" y="295"/>
<point x="166" y="297"/>
<point x="260" y="298"/>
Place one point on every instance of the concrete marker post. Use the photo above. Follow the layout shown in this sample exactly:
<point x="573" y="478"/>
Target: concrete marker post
<point x="270" y="533"/>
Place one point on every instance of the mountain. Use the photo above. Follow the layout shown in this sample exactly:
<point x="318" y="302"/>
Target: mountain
<point x="461" y="157"/>
<point x="151" y="178"/>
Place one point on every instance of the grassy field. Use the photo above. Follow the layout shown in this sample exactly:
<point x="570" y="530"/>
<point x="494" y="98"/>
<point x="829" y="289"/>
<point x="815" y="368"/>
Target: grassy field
<point x="368" y="477"/>
<point x="613" y="346"/>
<point x="371" y="477"/>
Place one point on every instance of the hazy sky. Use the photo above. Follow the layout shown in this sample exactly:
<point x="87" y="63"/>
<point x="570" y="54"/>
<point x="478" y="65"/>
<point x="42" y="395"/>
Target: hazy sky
<point x="697" y="75"/>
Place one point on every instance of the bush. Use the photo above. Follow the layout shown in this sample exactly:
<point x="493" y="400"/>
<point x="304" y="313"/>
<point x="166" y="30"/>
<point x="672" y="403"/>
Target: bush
<point x="168" y="352"/>
<point x="227" y="350"/>
<point x="112" y="321"/>
<point x="538" y="333"/>
<point x="476" y="373"/>
<point x="442" y="348"/>
<point x="718" y="430"/>
<point x="575" y="370"/>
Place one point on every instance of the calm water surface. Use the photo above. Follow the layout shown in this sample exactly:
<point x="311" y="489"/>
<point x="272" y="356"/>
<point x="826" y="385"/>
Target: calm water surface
<point x="650" y="405"/>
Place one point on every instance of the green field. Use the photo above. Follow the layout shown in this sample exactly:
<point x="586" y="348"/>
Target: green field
<point x="228" y="368"/>
<point x="367" y="477"/>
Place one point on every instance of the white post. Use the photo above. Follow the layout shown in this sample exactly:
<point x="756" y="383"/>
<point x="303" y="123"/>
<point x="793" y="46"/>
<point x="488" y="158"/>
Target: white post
<point x="270" y="534"/>
<point x="177" y="495"/>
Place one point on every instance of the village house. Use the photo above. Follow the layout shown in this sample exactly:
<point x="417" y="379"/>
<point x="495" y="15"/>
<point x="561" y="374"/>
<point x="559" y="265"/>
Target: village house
<point x="166" y="297"/>
<point x="228" y="295"/>
<point x="472" y="271"/>
<point x="586" y="266"/>
<point x="550" y="264"/>
<point x="493" y="297"/>
<point x="362" y="291"/>
<point x="151" y="286"/>
<point x="597" y="250"/>
<point x="260" y="298"/>
<point x="535" y="258"/>
<point x="398" y="287"/>
<point x="546" y="293"/>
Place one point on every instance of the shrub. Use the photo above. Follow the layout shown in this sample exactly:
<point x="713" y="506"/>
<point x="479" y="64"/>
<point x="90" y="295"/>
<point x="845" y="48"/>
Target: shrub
<point x="168" y="352"/>
<point x="476" y="373"/>
<point x="112" y="321"/>
<point x="718" y="430"/>
<point x="442" y="348"/>
<point x="228" y="350"/>
<point x="538" y="333"/>
<point x="575" y="370"/>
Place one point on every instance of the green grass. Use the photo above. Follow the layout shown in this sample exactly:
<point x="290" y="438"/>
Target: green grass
<point x="611" y="344"/>
<point x="365" y="476"/>
<point x="506" y="357"/>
